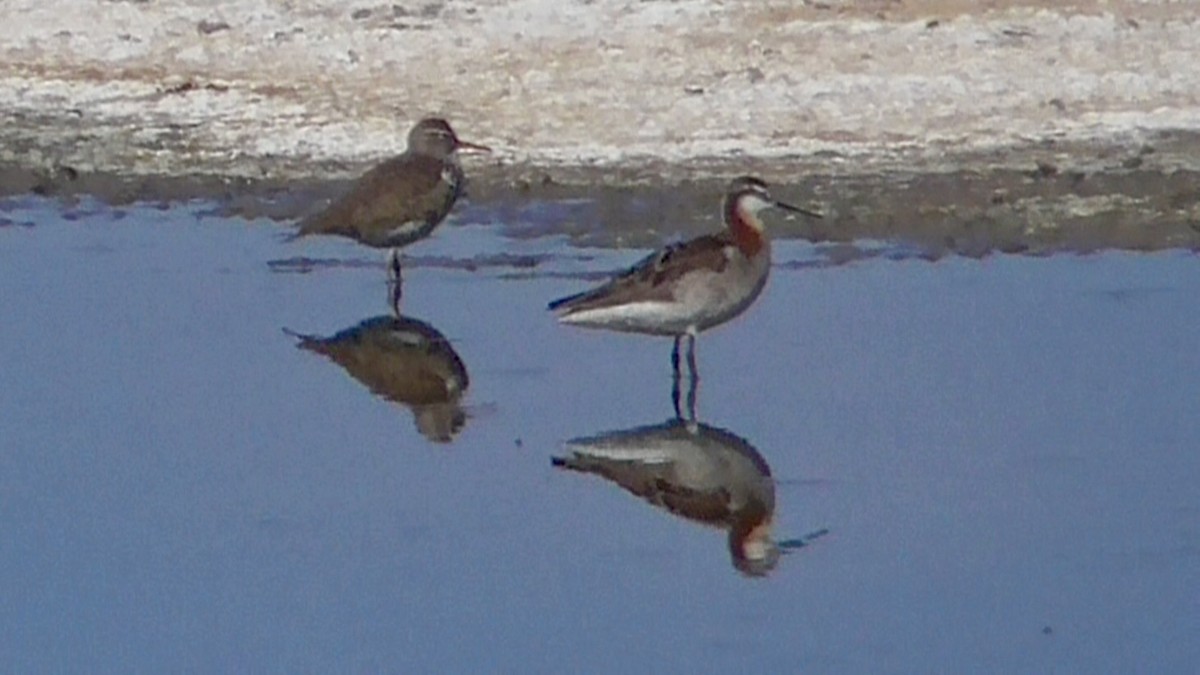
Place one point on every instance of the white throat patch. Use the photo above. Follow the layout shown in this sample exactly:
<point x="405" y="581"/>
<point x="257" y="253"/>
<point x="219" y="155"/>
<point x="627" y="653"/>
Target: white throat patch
<point x="752" y="203"/>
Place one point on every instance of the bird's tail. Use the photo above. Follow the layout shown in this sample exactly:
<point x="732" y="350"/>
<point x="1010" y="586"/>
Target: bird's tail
<point x="310" y="342"/>
<point x="569" y="464"/>
<point x="313" y="224"/>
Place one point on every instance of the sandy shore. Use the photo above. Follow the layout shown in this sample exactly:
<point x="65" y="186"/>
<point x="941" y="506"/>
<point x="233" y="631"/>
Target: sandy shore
<point x="261" y="88"/>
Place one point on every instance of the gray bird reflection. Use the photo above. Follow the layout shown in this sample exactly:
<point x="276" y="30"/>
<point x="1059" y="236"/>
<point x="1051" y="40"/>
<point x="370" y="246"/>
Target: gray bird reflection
<point x="695" y="471"/>
<point x="404" y="360"/>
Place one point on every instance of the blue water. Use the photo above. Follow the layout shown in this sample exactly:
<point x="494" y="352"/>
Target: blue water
<point x="1004" y="453"/>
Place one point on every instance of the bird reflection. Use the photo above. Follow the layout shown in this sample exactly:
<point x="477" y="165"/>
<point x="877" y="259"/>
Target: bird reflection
<point x="404" y="360"/>
<point x="697" y="472"/>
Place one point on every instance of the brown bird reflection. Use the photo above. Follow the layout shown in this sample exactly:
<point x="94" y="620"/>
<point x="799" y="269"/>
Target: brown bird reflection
<point x="404" y="360"/>
<point x="695" y="471"/>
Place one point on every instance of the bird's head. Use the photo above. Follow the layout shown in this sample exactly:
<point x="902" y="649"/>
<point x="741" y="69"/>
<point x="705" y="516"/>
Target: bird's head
<point x="747" y="196"/>
<point x="433" y="136"/>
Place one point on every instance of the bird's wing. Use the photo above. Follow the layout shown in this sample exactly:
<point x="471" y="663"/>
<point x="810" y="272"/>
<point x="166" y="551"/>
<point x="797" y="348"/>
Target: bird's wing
<point x="712" y="507"/>
<point x="404" y="188"/>
<point x="655" y="484"/>
<point x="654" y="277"/>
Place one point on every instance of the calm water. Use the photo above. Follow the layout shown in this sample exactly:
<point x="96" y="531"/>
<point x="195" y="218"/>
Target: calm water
<point x="1004" y="454"/>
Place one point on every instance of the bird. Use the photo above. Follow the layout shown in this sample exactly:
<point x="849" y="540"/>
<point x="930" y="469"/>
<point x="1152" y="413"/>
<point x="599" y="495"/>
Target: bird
<point x="404" y="360"/>
<point x="695" y="471"/>
<point x="691" y="286"/>
<point x="402" y="199"/>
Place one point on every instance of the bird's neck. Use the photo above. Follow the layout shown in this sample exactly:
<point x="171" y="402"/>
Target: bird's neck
<point x="750" y="533"/>
<point x="747" y="231"/>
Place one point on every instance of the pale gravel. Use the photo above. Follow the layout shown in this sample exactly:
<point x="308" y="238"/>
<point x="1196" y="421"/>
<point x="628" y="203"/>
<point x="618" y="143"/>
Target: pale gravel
<point x="137" y="87"/>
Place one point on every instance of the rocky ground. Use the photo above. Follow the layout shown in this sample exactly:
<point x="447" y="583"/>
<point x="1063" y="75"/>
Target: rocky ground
<point x="965" y="126"/>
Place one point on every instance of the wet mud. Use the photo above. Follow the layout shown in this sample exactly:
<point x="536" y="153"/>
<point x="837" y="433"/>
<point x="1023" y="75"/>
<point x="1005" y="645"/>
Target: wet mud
<point x="1076" y="200"/>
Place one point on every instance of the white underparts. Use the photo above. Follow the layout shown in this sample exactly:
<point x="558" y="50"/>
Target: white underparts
<point x="632" y="316"/>
<point x="405" y="229"/>
<point x="640" y="454"/>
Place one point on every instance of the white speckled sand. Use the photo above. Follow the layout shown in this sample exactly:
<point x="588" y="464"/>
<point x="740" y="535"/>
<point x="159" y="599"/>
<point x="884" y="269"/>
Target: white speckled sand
<point x="250" y="86"/>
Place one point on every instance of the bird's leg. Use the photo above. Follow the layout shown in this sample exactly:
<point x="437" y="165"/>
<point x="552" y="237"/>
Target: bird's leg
<point x="675" y="399"/>
<point x="394" y="293"/>
<point x="393" y="264"/>
<point x="675" y="356"/>
<point x="693" y="377"/>
<point x="395" y="282"/>
<point x="691" y="357"/>
<point x="693" y="385"/>
<point x="675" y="377"/>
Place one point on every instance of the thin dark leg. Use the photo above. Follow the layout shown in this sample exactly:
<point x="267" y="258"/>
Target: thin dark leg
<point x="691" y="357"/>
<point x="393" y="264"/>
<point x="394" y="294"/>
<point x="395" y="281"/>
<point x="693" y="377"/>
<point x="675" y="377"/>
<point x="693" y="385"/>
<point x="675" y="397"/>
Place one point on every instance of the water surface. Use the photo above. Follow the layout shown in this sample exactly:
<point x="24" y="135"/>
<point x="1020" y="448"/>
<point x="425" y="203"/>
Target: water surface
<point x="1003" y="452"/>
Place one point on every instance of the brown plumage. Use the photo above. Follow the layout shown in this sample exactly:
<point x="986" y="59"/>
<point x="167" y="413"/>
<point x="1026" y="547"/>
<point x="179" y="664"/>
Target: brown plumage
<point x="404" y="198"/>
<point x="406" y="361"/>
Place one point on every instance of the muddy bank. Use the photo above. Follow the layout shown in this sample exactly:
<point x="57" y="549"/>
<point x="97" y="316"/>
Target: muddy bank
<point x="258" y="89"/>
<point x="1079" y="200"/>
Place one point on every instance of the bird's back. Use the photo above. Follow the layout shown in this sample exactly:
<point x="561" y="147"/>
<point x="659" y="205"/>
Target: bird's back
<point x="395" y="203"/>
<point x="699" y="283"/>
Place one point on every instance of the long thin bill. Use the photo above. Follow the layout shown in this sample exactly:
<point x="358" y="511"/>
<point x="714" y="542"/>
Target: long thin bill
<point x="796" y="209"/>
<point x="472" y="147"/>
<point x="790" y="545"/>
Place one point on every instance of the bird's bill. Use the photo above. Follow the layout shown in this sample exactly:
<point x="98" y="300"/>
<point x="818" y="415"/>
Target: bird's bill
<point x="791" y="545"/>
<point x="796" y="209"/>
<point x="462" y="146"/>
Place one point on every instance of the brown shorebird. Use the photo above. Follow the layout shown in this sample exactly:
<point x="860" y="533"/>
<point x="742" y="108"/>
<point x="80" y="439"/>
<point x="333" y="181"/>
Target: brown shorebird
<point x="406" y="361"/>
<point x="402" y="199"/>
<point x="688" y="287"/>
<point x="697" y="472"/>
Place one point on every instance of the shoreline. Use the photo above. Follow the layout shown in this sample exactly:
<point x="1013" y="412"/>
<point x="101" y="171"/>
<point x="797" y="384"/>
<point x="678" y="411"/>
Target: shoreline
<point x="1022" y="125"/>
<point x="1134" y="199"/>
